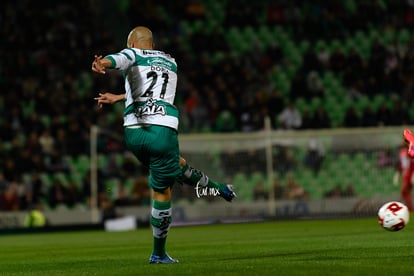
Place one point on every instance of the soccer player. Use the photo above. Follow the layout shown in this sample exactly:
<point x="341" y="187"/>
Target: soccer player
<point x="409" y="138"/>
<point x="406" y="171"/>
<point x="151" y="124"/>
<point x="406" y="168"/>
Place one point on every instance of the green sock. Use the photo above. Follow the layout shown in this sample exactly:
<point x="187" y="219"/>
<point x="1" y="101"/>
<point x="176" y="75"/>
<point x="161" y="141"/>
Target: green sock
<point x="196" y="177"/>
<point x="159" y="246"/>
<point x="160" y="222"/>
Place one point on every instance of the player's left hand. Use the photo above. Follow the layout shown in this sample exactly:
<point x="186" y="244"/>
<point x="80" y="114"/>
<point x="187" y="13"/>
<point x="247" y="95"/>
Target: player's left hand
<point x="97" y="65"/>
<point x="103" y="98"/>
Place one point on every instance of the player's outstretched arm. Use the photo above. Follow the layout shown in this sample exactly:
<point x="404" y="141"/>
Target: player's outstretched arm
<point x="109" y="98"/>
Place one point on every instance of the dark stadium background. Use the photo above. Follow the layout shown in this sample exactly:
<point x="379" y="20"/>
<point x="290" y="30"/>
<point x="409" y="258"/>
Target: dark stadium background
<point x="344" y="64"/>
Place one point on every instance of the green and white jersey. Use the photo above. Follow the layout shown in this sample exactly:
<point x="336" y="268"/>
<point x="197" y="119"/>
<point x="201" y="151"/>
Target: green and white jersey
<point x="150" y="86"/>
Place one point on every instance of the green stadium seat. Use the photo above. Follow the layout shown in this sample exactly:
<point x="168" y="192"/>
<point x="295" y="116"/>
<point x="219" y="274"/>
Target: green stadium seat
<point x="111" y="187"/>
<point x="301" y="104"/>
<point x="61" y="177"/>
<point x="249" y="34"/>
<point x="364" y="48"/>
<point x="245" y="195"/>
<point x="362" y="103"/>
<point x="46" y="120"/>
<point x="129" y="183"/>
<point x="328" y="78"/>
<point x="241" y="179"/>
<point x="119" y="159"/>
<point x="325" y="180"/>
<point x="82" y="164"/>
<point x="330" y="102"/>
<point x="373" y="34"/>
<point x="234" y="39"/>
<point x="70" y="161"/>
<point x="244" y="187"/>
<point x="377" y="101"/>
<point x="28" y="108"/>
<point x="46" y="180"/>
<point x="364" y="187"/>
<point x="102" y="160"/>
<point x="360" y="160"/>
<point x="277" y="32"/>
<point x="197" y="25"/>
<point x="77" y="179"/>
<point x="282" y="82"/>
<point x="343" y="159"/>
<point x="359" y="36"/>
<point x="337" y="119"/>
<point x="411" y="112"/>
<point x="349" y="44"/>
<point x="320" y="45"/>
<point x="264" y="33"/>
<point x="304" y="46"/>
<point x="336" y="44"/>
<point x="404" y="36"/>
<point x="257" y="177"/>
<point x="313" y="187"/>
<point x="294" y="55"/>
<point x="350" y="6"/>
<point x="234" y="32"/>
<point x="304" y="175"/>
<point x="315" y="103"/>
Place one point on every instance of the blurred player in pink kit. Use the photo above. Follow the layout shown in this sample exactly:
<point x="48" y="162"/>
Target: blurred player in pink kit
<point x="406" y="168"/>
<point x="409" y="138"/>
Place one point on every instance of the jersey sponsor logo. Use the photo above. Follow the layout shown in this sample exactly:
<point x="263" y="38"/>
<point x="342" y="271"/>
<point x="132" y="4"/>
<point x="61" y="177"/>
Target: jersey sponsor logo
<point x="152" y="52"/>
<point x="154" y="62"/>
<point x="150" y="108"/>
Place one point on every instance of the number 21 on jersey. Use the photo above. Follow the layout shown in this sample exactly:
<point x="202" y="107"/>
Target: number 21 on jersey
<point x="155" y="87"/>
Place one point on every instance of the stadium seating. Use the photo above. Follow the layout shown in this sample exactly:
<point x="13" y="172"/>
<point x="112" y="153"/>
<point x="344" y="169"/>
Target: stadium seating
<point x="246" y="41"/>
<point x="345" y="167"/>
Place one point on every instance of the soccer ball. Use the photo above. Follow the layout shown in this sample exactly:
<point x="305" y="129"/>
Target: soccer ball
<point x="393" y="216"/>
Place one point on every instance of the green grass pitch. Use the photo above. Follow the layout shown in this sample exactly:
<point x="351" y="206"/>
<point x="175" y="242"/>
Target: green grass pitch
<point x="302" y="247"/>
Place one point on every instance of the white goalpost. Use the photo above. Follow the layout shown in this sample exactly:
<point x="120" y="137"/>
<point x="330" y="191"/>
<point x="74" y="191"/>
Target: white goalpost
<point x="94" y="173"/>
<point x="95" y="131"/>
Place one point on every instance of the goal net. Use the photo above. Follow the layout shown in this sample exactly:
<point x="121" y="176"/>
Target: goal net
<point x="276" y="169"/>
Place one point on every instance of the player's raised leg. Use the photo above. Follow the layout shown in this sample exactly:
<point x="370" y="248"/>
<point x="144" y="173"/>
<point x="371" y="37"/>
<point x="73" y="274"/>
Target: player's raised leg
<point x="194" y="177"/>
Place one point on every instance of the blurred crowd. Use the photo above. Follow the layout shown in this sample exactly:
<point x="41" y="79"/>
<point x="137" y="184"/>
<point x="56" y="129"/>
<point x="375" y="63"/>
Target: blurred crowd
<point x="48" y="89"/>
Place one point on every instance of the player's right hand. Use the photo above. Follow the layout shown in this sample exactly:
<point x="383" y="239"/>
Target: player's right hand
<point x="97" y="65"/>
